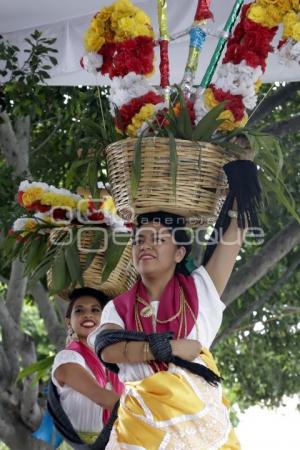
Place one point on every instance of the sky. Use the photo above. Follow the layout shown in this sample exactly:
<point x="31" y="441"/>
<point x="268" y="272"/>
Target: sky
<point x="263" y="429"/>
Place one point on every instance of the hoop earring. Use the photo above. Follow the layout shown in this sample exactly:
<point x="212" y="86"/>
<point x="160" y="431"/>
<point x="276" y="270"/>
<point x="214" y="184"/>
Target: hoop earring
<point x="71" y="336"/>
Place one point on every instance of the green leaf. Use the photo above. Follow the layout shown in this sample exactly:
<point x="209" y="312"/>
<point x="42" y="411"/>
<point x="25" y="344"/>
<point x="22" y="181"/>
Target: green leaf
<point x="71" y="174"/>
<point x="184" y="117"/>
<point x="38" y="367"/>
<point x="73" y="263"/>
<point x="208" y="124"/>
<point x="53" y="60"/>
<point x="114" y="252"/>
<point x="60" y="274"/>
<point x="92" y="176"/>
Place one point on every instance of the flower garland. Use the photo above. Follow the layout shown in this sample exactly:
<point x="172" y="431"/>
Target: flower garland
<point x="239" y="77"/>
<point x="60" y="207"/>
<point x="120" y="43"/>
<point x="289" y="47"/>
<point x="119" y="40"/>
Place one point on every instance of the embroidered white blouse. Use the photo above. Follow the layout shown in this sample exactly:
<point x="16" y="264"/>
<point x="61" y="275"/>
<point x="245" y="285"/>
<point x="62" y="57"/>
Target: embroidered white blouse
<point x="209" y="319"/>
<point x="83" y="413"/>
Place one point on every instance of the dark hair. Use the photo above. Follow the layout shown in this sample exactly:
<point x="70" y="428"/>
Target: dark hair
<point x="82" y="292"/>
<point x="176" y="223"/>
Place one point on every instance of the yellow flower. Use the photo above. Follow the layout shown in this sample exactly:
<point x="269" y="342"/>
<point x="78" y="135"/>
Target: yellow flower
<point x="52" y="199"/>
<point x="32" y="195"/>
<point x="295" y="5"/>
<point x="281" y="5"/>
<point x="274" y="16"/>
<point x="257" y="14"/>
<point x="209" y="98"/>
<point x="92" y="41"/>
<point x="258" y="85"/>
<point x="30" y="225"/>
<point x="296" y="32"/>
<point x="116" y="23"/>
<point x="109" y="205"/>
<point x="230" y="122"/>
<point x="290" y="20"/>
<point x="144" y="114"/>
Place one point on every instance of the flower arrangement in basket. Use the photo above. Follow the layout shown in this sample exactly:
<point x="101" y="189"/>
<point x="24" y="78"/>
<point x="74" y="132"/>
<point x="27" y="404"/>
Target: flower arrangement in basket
<point x="180" y="137"/>
<point x="76" y="241"/>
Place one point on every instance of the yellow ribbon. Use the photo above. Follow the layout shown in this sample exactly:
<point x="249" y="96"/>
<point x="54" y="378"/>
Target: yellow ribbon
<point x="162" y="6"/>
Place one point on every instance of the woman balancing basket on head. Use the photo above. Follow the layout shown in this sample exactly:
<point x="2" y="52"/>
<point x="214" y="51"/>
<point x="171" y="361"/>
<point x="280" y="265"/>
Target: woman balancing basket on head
<point x="156" y="335"/>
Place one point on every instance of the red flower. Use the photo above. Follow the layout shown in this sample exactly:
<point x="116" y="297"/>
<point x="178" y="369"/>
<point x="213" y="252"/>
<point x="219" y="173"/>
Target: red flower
<point x="42" y="208"/>
<point x="281" y="43"/>
<point x="133" y="55"/>
<point x="161" y="119"/>
<point x="126" y="113"/>
<point x="94" y="205"/>
<point x="233" y="102"/>
<point x="20" y="198"/>
<point x="96" y="216"/>
<point x="58" y="214"/>
<point x="250" y="41"/>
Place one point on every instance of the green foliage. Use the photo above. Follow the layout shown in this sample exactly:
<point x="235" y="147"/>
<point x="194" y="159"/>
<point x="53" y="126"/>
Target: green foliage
<point x="41" y="369"/>
<point x="33" y="324"/>
<point x="37" y="64"/>
<point x="66" y="135"/>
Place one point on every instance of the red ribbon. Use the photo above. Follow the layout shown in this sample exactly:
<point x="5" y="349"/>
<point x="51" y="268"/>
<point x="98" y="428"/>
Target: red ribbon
<point x="203" y="12"/>
<point x="164" y="64"/>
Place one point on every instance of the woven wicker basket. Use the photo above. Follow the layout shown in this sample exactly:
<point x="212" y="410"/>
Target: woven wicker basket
<point x="120" y="279"/>
<point x="201" y="182"/>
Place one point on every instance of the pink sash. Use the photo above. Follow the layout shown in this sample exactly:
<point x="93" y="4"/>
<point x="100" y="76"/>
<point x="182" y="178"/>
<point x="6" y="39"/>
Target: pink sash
<point x="98" y="370"/>
<point x="169" y="304"/>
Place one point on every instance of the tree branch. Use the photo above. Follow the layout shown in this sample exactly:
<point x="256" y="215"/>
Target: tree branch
<point x="15" y="144"/>
<point x="259" y="302"/>
<point x="55" y="329"/>
<point x="22" y="127"/>
<point x="254" y="269"/>
<point x="4" y="366"/>
<point x="31" y="412"/>
<point x="11" y="341"/>
<point x="42" y="144"/>
<point x="284" y="127"/>
<point x="16" y="290"/>
<point x="279" y="97"/>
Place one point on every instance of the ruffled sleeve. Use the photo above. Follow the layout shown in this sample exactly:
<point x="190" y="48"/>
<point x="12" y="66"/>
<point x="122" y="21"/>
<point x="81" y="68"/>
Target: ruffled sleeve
<point x="210" y="307"/>
<point x="64" y="357"/>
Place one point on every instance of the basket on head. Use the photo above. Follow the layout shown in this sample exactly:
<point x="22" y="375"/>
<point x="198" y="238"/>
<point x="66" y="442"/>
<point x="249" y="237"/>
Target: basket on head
<point x="200" y="182"/>
<point x="120" y="279"/>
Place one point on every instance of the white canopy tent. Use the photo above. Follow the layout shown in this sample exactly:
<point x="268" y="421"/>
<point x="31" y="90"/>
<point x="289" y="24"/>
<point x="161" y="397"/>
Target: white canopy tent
<point x="67" y="20"/>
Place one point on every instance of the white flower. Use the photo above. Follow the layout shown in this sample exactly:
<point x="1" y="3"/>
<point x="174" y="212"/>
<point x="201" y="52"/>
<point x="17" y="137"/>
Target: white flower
<point x="158" y="107"/>
<point x="290" y="52"/>
<point x="19" y="224"/>
<point x="92" y="62"/>
<point x="125" y="89"/>
<point x="239" y="79"/>
<point x="24" y="185"/>
<point x="199" y="107"/>
<point x="62" y="191"/>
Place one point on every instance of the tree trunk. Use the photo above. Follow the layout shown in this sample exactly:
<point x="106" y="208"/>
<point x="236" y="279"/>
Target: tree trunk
<point x="263" y="261"/>
<point x="15" y="434"/>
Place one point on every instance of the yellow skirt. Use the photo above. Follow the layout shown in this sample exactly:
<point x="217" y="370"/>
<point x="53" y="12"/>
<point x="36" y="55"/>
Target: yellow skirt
<point x="173" y="410"/>
<point x="88" y="438"/>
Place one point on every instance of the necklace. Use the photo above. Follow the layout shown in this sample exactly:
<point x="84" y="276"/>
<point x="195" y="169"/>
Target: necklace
<point x="147" y="311"/>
